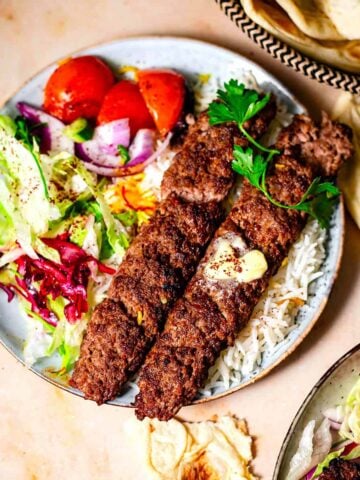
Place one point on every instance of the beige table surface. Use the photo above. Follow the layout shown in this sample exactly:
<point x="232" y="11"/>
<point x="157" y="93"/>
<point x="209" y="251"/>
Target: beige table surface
<point x="47" y="434"/>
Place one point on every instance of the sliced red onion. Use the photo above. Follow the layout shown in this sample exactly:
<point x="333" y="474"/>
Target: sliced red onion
<point x="90" y="152"/>
<point x="164" y="145"/>
<point x="50" y="133"/>
<point x="310" y="474"/>
<point x="8" y="290"/>
<point x="102" y="149"/>
<point x="123" y="170"/>
<point x="120" y="171"/>
<point x="335" y="425"/>
<point x="334" y="415"/>
<point x="110" y="135"/>
<point x="142" y="146"/>
<point x="42" y="278"/>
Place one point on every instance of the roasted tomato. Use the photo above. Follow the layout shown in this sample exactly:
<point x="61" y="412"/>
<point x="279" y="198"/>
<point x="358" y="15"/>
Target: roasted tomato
<point x="164" y="94"/>
<point x="124" y="100"/>
<point x="77" y="88"/>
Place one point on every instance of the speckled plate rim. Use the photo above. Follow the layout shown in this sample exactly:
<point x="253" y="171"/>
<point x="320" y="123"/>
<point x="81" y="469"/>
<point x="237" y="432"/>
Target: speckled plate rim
<point x="310" y="396"/>
<point x="298" y="61"/>
<point x="321" y="307"/>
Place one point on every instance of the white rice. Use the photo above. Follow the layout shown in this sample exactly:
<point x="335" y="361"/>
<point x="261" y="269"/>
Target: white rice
<point x="155" y="172"/>
<point x="276" y="313"/>
<point x="204" y="94"/>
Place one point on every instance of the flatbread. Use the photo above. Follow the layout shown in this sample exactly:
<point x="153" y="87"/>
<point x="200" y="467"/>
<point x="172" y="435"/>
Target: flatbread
<point x="269" y="15"/>
<point x="347" y="110"/>
<point x="310" y="17"/>
<point x="345" y="15"/>
<point x="215" y="450"/>
<point x="168" y="442"/>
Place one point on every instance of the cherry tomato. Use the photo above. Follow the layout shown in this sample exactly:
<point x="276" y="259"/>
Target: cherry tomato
<point x="77" y="88"/>
<point x="164" y="94"/>
<point x="124" y="100"/>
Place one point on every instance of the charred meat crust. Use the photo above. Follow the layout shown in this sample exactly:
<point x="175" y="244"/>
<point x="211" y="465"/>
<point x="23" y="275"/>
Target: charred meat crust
<point x="340" y="469"/>
<point x="208" y="174"/>
<point x="266" y="226"/>
<point x="324" y="146"/>
<point x="153" y="275"/>
<point x="162" y="258"/>
<point x="202" y="171"/>
<point x="207" y="318"/>
<point x="113" y="343"/>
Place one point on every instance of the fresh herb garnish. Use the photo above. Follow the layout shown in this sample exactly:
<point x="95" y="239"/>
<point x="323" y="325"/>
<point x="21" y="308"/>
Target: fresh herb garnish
<point x="123" y="154"/>
<point x="79" y="130"/>
<point x="317" y="201"/>
<point x="238" y="104"/>
<point x="23" y="133"/>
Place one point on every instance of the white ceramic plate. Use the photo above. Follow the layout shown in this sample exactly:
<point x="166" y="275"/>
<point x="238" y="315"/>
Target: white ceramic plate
<point x="191" y="58"/>
<point x="330" y="390"/>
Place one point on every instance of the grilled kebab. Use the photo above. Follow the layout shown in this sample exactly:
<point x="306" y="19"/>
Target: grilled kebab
<point x="163" y="257"/>
<point x="246" y="251"/>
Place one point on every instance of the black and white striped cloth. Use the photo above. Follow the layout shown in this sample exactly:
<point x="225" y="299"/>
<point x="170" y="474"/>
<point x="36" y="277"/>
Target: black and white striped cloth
<point x="287" y="55"/>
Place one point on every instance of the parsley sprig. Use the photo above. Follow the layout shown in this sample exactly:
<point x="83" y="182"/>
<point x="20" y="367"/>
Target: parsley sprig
<point x="317" y="201"/>
<point x="238" y="104"/>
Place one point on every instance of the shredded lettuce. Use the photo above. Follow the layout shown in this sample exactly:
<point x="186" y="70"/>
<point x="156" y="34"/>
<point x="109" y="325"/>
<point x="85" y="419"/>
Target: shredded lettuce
<point x="8" y="124"/>
<point x="93" y="238"/>
<point x="46" y="251"/>
<point x="22" y="193"/>
<point x="355" y="453"/>
<point x="44" y="196"/>
<point x="66" y="338"/>
<point x="8" y="274"/>
<point x="43" y="340"/>
<point x="326" y="462"/>
<point x="127" y="218"/>
<point x="7" y="228"/>
<point x="78" y="230"/>
<point x="65" y="186"/>
<point x="31" y="143"/>
<point x="116" y="233"/>
<point x="16" y="226"/>
<point x="350" y="427"/>
<point x="38" y="338"/>
<point x="314" y="445"/>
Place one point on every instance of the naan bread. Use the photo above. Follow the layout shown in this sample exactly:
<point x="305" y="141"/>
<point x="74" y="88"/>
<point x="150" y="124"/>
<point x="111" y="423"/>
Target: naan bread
<point x="347" y="110"/>
<point x="345" y="15"/>
<point x="214" y="450"/>
<point x="268" y="14"/>
<point x="168" y="442"/>
<point x="311" y="19"/>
